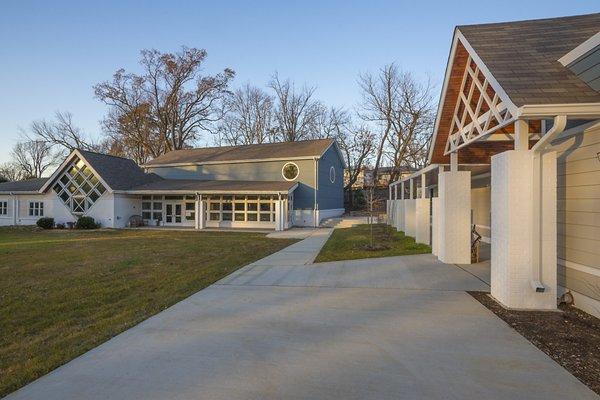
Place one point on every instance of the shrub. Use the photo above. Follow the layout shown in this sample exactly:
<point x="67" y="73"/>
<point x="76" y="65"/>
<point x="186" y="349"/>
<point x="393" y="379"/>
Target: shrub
<point x="45" y="223"/>
<point x="86" y="223"/>
<point x="60" y="226"/>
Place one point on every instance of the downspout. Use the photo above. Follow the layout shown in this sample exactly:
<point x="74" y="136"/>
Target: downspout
<point x="560" y="122"/>
<point x="14" y="207"/>
<point x="315" y="206"/>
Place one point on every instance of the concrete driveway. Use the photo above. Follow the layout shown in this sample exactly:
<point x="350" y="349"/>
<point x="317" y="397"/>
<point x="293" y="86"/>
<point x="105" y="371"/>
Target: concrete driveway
<point x="394" y="328"/>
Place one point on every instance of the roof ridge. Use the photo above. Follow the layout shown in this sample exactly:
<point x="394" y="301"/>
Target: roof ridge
<point x="104" y="154"/>
<point x="527" y="20"/>
<point x="254" y="144"/>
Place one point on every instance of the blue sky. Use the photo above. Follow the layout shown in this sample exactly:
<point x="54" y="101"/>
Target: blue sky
<point x="52" y="53"/>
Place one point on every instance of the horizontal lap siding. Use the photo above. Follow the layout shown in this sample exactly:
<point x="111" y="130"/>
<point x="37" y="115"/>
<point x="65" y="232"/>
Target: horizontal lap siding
<point x="578" y="208"/>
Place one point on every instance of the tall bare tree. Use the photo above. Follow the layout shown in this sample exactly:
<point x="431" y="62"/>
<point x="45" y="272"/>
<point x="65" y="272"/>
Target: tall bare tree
<point x="33" y="157"/>
<point x="249" y="117"/>
<point x="401" y="109"/>
<point x="297" y="112"/>
<point x="62" y="133"/>
<point x="171" y="101"/>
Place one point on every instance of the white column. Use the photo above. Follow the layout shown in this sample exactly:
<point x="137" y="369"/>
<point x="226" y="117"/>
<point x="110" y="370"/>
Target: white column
<point x="521" y="135"/>
<point x="197" y="210"/>
<point x="202" y="214"/>
<point x="435" y="225"/>
<point x="399" y="211"/>
<point x="422" y="224"/>
<point x="523" y="250"/>
<point x="279" y="215"/>
<point x="454" y="234"/>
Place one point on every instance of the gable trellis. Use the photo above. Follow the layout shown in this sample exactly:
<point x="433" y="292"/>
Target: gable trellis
<point x="479" y="110"/>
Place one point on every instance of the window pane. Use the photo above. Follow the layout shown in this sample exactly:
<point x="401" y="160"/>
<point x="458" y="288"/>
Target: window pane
<point x="215" y="216"/>
<point x="265" y="217"/>
<point x="265" y="197"/>
<point x="239" y="206"/>
<point x="65" y="180"/>
<point x="79" y="179"/>
<point x="157" y="216"/>
<point x="146" y="197"/>
<point x="227" y="197"/>
<point x="57" y="188"/>
<point x="252" y="207"/>
<point x="190" y="206"/>
<point x="265" y="206"/>
<point x="86" y="188"/>
<point x="227" y="206"/>
<point x="227" y="216"/>
<point x="239" y="217"/>
<point x="173" y="197"/>
<point x="146" y="205"/>
<point x="215" y="206"/>
<point x="146" y="215"/>
<point x="191" y="216"/>
<point x="252" y="216"/>
<point x="157" y="205"/>
<point x="190" y="197"/>
<point x="94" y="196"/>
<point x="65" y="196"/>
<point x="94" y="180"/>
<point x="252" y="197"/>
<point x="101" y="189"/>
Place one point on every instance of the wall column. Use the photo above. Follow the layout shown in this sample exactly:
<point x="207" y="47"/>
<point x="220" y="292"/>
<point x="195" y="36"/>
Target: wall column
<point x="454" y="207"/>
<point x="409" y="212"/>
<point x="422" y="219"/>
<point x="524" y="229"/>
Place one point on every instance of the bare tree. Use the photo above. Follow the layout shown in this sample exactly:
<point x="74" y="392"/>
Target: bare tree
<point x="249" y="117"/>
<point x="357" y="145"/>
<point x="62" y="132"/>
<point x="401" y="109"/>
<point x="33" y="157"/>
<point x="296" y="111"/>
<point x="412" y="125"/>
<point x="171" y="101"/>
<point x="10" y="172"/>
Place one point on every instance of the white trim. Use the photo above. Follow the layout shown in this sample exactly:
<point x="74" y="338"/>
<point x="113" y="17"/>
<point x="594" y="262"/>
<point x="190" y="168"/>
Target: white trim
<point x="183" y="164"/>
<point x="578" y="267"/>
<point x="297" y="171"/>
<point x="332" y="174"/>
<point x="581" y="110"/>
<point x="580" y="50"/>
<point x="449" y="64"/>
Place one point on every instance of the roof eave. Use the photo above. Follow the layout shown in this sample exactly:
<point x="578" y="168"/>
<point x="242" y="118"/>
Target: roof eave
<point x="573" y="110"/>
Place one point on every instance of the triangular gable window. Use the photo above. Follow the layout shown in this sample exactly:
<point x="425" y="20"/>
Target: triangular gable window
<point x="78" y="187"/>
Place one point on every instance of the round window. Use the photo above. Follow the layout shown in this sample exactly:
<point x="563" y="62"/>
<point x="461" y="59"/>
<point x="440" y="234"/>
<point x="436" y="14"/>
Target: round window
<point x="290" y="171"/>
<point x="332" y="174"/>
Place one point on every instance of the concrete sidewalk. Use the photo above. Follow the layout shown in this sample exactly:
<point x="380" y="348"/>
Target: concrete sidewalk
<point x="397" y="328"/>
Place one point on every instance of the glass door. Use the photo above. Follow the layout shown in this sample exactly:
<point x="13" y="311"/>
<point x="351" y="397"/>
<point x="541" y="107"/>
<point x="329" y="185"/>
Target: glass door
<point x="173" y="213"/>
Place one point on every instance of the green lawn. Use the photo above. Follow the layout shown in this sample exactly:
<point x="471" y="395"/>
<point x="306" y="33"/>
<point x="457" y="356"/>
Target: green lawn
<point x="351" y="244"/>
<point x="64" y="292"/>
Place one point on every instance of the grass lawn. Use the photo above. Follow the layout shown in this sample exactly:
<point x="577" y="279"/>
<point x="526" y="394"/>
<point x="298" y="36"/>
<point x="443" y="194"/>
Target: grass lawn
<point x="64" y="292"/>
<point x="351" y="244"/>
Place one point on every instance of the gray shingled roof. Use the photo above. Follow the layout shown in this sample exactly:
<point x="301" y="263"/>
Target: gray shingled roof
<point x="28" y="185"/>
<point x="119" y="173"/>
<point x="305" y="148"/>
<point x="194" y="185"/>
<point x="523" y="57"/>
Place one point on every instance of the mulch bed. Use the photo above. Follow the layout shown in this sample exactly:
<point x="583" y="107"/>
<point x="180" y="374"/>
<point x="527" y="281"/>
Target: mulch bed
<point x="571" y="338"/>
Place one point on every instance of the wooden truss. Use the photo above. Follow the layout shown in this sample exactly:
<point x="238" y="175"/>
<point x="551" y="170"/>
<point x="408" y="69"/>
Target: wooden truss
<point x="479" y="110"/>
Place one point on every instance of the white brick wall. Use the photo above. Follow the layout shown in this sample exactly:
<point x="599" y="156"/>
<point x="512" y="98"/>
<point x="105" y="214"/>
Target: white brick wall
<point x="513" y="246"/>
<point x="455" y="217"/>
<point x="422" y="220"/>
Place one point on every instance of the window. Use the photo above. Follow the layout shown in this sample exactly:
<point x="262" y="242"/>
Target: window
<point x="36" y="209"/>
<point x="78" y="188"/>
<point x="3" y="207"/>
<point x="152" y="208"/>
<point x="332" y="174"/>
<point x="290" y="171"/>
<point x="240" y="208"/>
